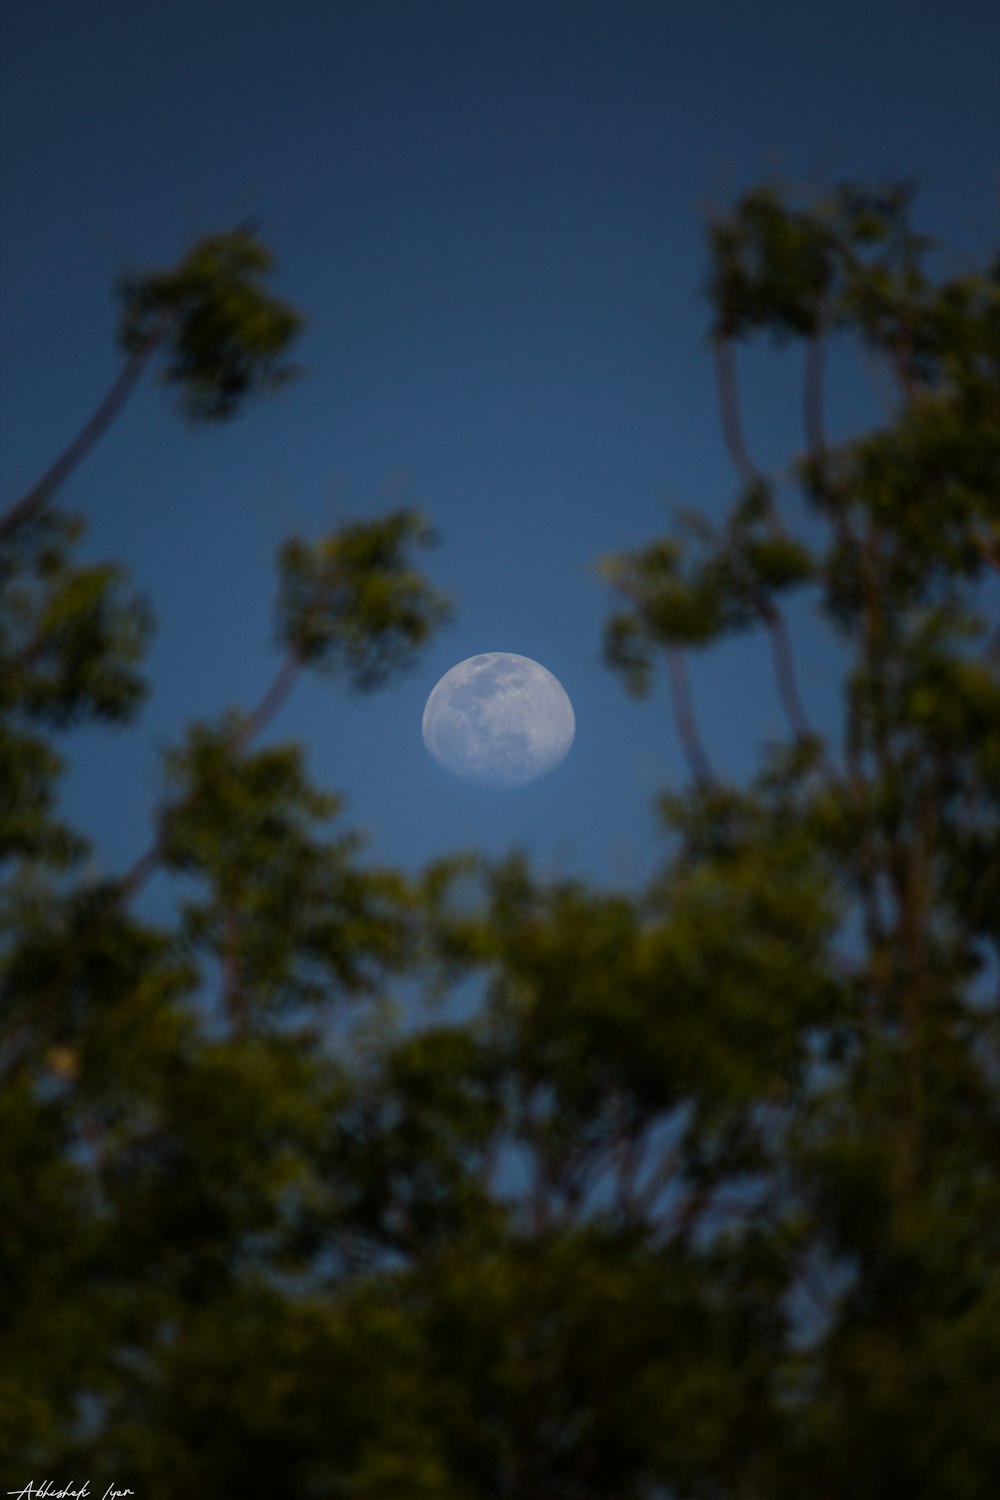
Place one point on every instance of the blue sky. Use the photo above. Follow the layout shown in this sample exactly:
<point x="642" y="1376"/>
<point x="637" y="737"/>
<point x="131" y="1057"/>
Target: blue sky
<point x="492" y="216"/>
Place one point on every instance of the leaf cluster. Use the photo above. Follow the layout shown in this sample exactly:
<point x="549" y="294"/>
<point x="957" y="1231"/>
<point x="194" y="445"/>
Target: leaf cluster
<point x="353" y="605"/>
<point x="225" y="334"/>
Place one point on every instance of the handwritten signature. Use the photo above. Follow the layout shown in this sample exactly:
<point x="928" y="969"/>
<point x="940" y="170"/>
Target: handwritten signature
<point x="48" y="1491"/>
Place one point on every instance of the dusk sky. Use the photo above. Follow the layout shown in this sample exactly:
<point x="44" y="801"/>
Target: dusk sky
<point x="491" y="214"/>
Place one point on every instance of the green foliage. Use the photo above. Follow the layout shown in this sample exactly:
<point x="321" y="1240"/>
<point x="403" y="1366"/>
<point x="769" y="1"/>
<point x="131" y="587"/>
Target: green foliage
<point x="70" y="637"/>
<point x="225" y="335"/>
<point x="71" y="641"/>
<point x="771" y="267"/>
<point x="695" y="1190"/>
<point x="674" y="601"/>
<point x="286" y="913"/>
<point x="353" y="606"/>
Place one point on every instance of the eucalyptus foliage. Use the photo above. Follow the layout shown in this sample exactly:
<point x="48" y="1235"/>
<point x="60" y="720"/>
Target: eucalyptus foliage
<point x="700" y="1197"/>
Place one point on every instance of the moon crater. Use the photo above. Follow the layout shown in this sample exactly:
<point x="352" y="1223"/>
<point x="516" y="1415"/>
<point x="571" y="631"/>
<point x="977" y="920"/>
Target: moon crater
<point x="499" y="719"/>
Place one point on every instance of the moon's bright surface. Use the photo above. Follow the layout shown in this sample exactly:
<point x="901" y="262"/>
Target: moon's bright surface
<point x="499" y="720"/>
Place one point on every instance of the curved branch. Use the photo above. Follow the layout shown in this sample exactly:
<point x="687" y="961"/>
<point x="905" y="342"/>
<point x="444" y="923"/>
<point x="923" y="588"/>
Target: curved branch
<point x="732" y="426"/>
<point x="784" y="671"/>
<point x="124" y="384"/>
<point x="732" y="429"/>
<point x="814" y="383"/>
<point x="273" y="700"/>
<point x="270" y="704"/>
<point x="729" y="412"/>
<point x="989" y="554"/>
<point x="663" y="1175"/>
<point x="146" y="865"/>
<point x="687" y="729"/>
<point x="787" y="680"/>
<point x="812" y="395"/>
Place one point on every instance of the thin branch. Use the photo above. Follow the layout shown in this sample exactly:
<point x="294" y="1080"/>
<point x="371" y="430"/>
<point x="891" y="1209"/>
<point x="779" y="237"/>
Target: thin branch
<point x="146" y="865"/>
<point x="812" y="416"/>
<point x="784" y="671"/>
<point x="868" y="862"/>
<point x="233" y="996"/>
<point x="580" y="1169"/>
<point x="812" y="395"/>
<point x="25" y="658"/>
<point x="687" y="729"/>
<point x="813" y="392"/>
<point x="270" y="704"/>
<point x="41" y="493"/>
<point x="629" y="1150"/>
<point x="689" y="1215"/>
<point x="135" y="878"/>
<point x="989" y="554"/>
<point x="94" y="1136"/>
<point x="488" y="1165"/>
<point x="873" y="867"/>
<point x="914" y="894"/>
<point x="729" y="412"/>
<point x="991" y="650"/>
<point x="274" y="699"/>
<point x="660" y="1178"/>
<point x="402" y="1226"/>
<point x="902" y="362"/>
<point x="541" y="1188"/>
<point x="983" y="894"/>
<point x="732" y="430"/>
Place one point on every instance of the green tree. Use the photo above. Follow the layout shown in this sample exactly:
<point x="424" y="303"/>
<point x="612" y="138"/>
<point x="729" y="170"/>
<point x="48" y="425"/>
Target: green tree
<point x="703" y="1199"/>
<point x="223" y="336"/>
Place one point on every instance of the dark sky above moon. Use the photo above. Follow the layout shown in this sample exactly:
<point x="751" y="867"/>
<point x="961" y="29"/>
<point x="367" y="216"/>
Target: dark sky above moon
<point x="490" y="214"/>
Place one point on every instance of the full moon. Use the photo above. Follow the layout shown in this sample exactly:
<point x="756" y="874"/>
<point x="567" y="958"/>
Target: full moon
<point x="499" y="720"/>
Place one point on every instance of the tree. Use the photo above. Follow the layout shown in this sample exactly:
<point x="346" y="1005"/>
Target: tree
<point x="703" y="1199"/>
<point x="223" y="334"/>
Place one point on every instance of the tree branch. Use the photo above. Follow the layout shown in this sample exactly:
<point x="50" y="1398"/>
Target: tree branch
<point x="273" y="700"/>
<point x="687" y="729"/>
<point x="989" y="554"/>
<point x="146" y="865"/>
<point x="812" y="396"/>
<point x="233" y="996"/>
<point x="629" y="1150"/>
<point x="784" y="671"/>
<point x="41" y="493"/>
<point x="660" y="1178"/>
<point x="732" y="430"/>
<point x="729" y="412"/>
